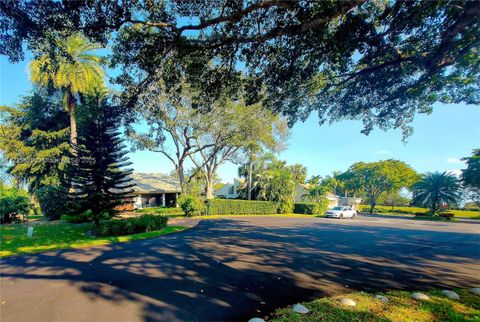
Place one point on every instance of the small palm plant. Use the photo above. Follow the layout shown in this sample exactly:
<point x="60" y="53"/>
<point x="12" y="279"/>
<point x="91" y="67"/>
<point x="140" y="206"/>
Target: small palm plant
<point x="71" y="68"/>
<point x="315" y="193"/>
<point x="436" y="189"/>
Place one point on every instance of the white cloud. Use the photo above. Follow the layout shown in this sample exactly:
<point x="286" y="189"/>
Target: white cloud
<point x="452" y="160"/>
<point x="383" y="152"/>
<point x="455" y="172"/>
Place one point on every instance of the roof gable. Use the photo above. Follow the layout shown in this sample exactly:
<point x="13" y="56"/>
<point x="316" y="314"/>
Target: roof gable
<point x="155" y="182"/>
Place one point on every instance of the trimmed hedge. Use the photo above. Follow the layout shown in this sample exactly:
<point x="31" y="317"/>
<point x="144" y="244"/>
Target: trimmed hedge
<point x="309" y="208"/>
<point x="191" y="205"/>
<point x="130" y="226"/>
<point x="234" y="207"/>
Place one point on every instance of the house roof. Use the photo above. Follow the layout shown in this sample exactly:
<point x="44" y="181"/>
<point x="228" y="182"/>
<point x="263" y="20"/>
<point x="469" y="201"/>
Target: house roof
<point x="154" y="183"/>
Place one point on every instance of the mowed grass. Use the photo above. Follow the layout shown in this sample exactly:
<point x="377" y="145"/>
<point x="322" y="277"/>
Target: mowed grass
<point x="59" y="235"/>
<point x="399" y="308"/>
<point x="387" y="210"/>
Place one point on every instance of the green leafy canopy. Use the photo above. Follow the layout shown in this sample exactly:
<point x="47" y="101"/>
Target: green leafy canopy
<point x="376" y="61"/>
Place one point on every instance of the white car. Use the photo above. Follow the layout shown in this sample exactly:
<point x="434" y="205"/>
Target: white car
<point x="341" y="212"/>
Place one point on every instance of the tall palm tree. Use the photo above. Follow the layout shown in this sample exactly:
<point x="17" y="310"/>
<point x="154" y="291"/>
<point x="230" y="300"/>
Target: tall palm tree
<point x="252" y="170"/>
<point x="72" y="69"/>
<point x="435" y="189"/>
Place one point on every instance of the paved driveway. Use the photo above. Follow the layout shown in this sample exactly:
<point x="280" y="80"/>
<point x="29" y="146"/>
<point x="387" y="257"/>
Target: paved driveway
<point x="233" y="269"/>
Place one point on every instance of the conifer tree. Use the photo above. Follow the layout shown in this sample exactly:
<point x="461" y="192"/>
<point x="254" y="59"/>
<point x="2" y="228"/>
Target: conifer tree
<point x="100" y="177"/>
<point x="34" y="140"/>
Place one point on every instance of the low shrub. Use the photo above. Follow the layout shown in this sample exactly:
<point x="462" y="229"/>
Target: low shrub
<point x="307" y="208"/>
<point x="85" y="216"/>
<point x="399" y="210"/>
<point x="310" y="208"/>
<point x="130" y="226"/>
<point x="421" y="214"/>
<point x="191" y="205"/>
<point x="52" y="201"/>
<point x="285" y="207"/>
<point x="13" y="204"/>
<point x="80" y="218"/>
<point x="447" y="215"/>
<point x="239" y="207"/>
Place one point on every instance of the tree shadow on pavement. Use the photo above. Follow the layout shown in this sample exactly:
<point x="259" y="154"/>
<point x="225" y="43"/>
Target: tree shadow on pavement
<point x="235" y="269"/>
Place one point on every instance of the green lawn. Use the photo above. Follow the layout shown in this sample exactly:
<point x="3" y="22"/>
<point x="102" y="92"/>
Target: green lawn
<point x="399" y="308"/>
<point x="59" y="235"/>
<point x="387" y="210"/>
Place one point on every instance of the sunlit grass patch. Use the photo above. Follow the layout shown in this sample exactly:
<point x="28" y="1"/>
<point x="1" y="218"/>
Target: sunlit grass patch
<point x="59" y="235"/>
<point x="399" y="308"/>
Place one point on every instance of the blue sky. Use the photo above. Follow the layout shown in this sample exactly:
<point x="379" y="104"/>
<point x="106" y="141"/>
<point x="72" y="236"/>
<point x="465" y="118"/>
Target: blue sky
<point x="438" y="142"/>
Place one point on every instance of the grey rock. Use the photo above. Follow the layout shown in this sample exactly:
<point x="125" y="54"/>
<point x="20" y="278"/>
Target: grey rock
<point x="299" y="308"/>
<point x="475" y="290"/>
<point x="420" y="297"/>
<point x="450" y="294"/>
<point x="382" y="298"/>
<point x="347" y="302"/>
<point x="256" y="320"/>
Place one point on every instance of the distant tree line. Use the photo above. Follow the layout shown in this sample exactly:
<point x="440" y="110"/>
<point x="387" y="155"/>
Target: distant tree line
<point x="377" y="183"/>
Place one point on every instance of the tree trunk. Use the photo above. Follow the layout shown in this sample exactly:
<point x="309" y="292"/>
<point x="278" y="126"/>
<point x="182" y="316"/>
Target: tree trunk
<point x="209" y="187"/>
<point x="209" y="184"/>
<point x="96" y="219"/>
<point x="73" y="122"/>
<point x="434" y="206"/>
<point x="250" y="169"/>
<point x="373" y="203"/>
<point x="181" y="178"/>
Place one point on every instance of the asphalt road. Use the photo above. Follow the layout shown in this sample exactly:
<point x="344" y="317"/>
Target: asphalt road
<point x="234" y="269"/>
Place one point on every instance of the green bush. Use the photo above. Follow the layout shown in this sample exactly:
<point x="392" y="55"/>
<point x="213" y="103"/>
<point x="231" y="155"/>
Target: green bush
<point x="52" y="201"/>
<point x="285" y="207"/>
<point x="83" y="217"/>
<point x="307" y="208"/>
<point x="191" y="205"/>
<point x="447" y="215"/>
<point x="232" y="207"/>
<point x="130" y="226"/>
<point x="13" y="203"/>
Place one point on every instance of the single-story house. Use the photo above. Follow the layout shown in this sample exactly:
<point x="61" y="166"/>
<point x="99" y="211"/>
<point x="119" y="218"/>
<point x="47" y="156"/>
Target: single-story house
<point x="302" y="189"/>
<point x="228" y="190"/>
<point x="154" y="190"/>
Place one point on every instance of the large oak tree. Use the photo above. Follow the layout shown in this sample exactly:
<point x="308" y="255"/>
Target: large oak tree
<point x="377" y="61"/>
<point x="373" y="179"/>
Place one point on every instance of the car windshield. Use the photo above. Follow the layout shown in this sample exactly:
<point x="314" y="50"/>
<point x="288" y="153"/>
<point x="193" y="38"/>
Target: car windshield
<point x="337" y="208"/>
